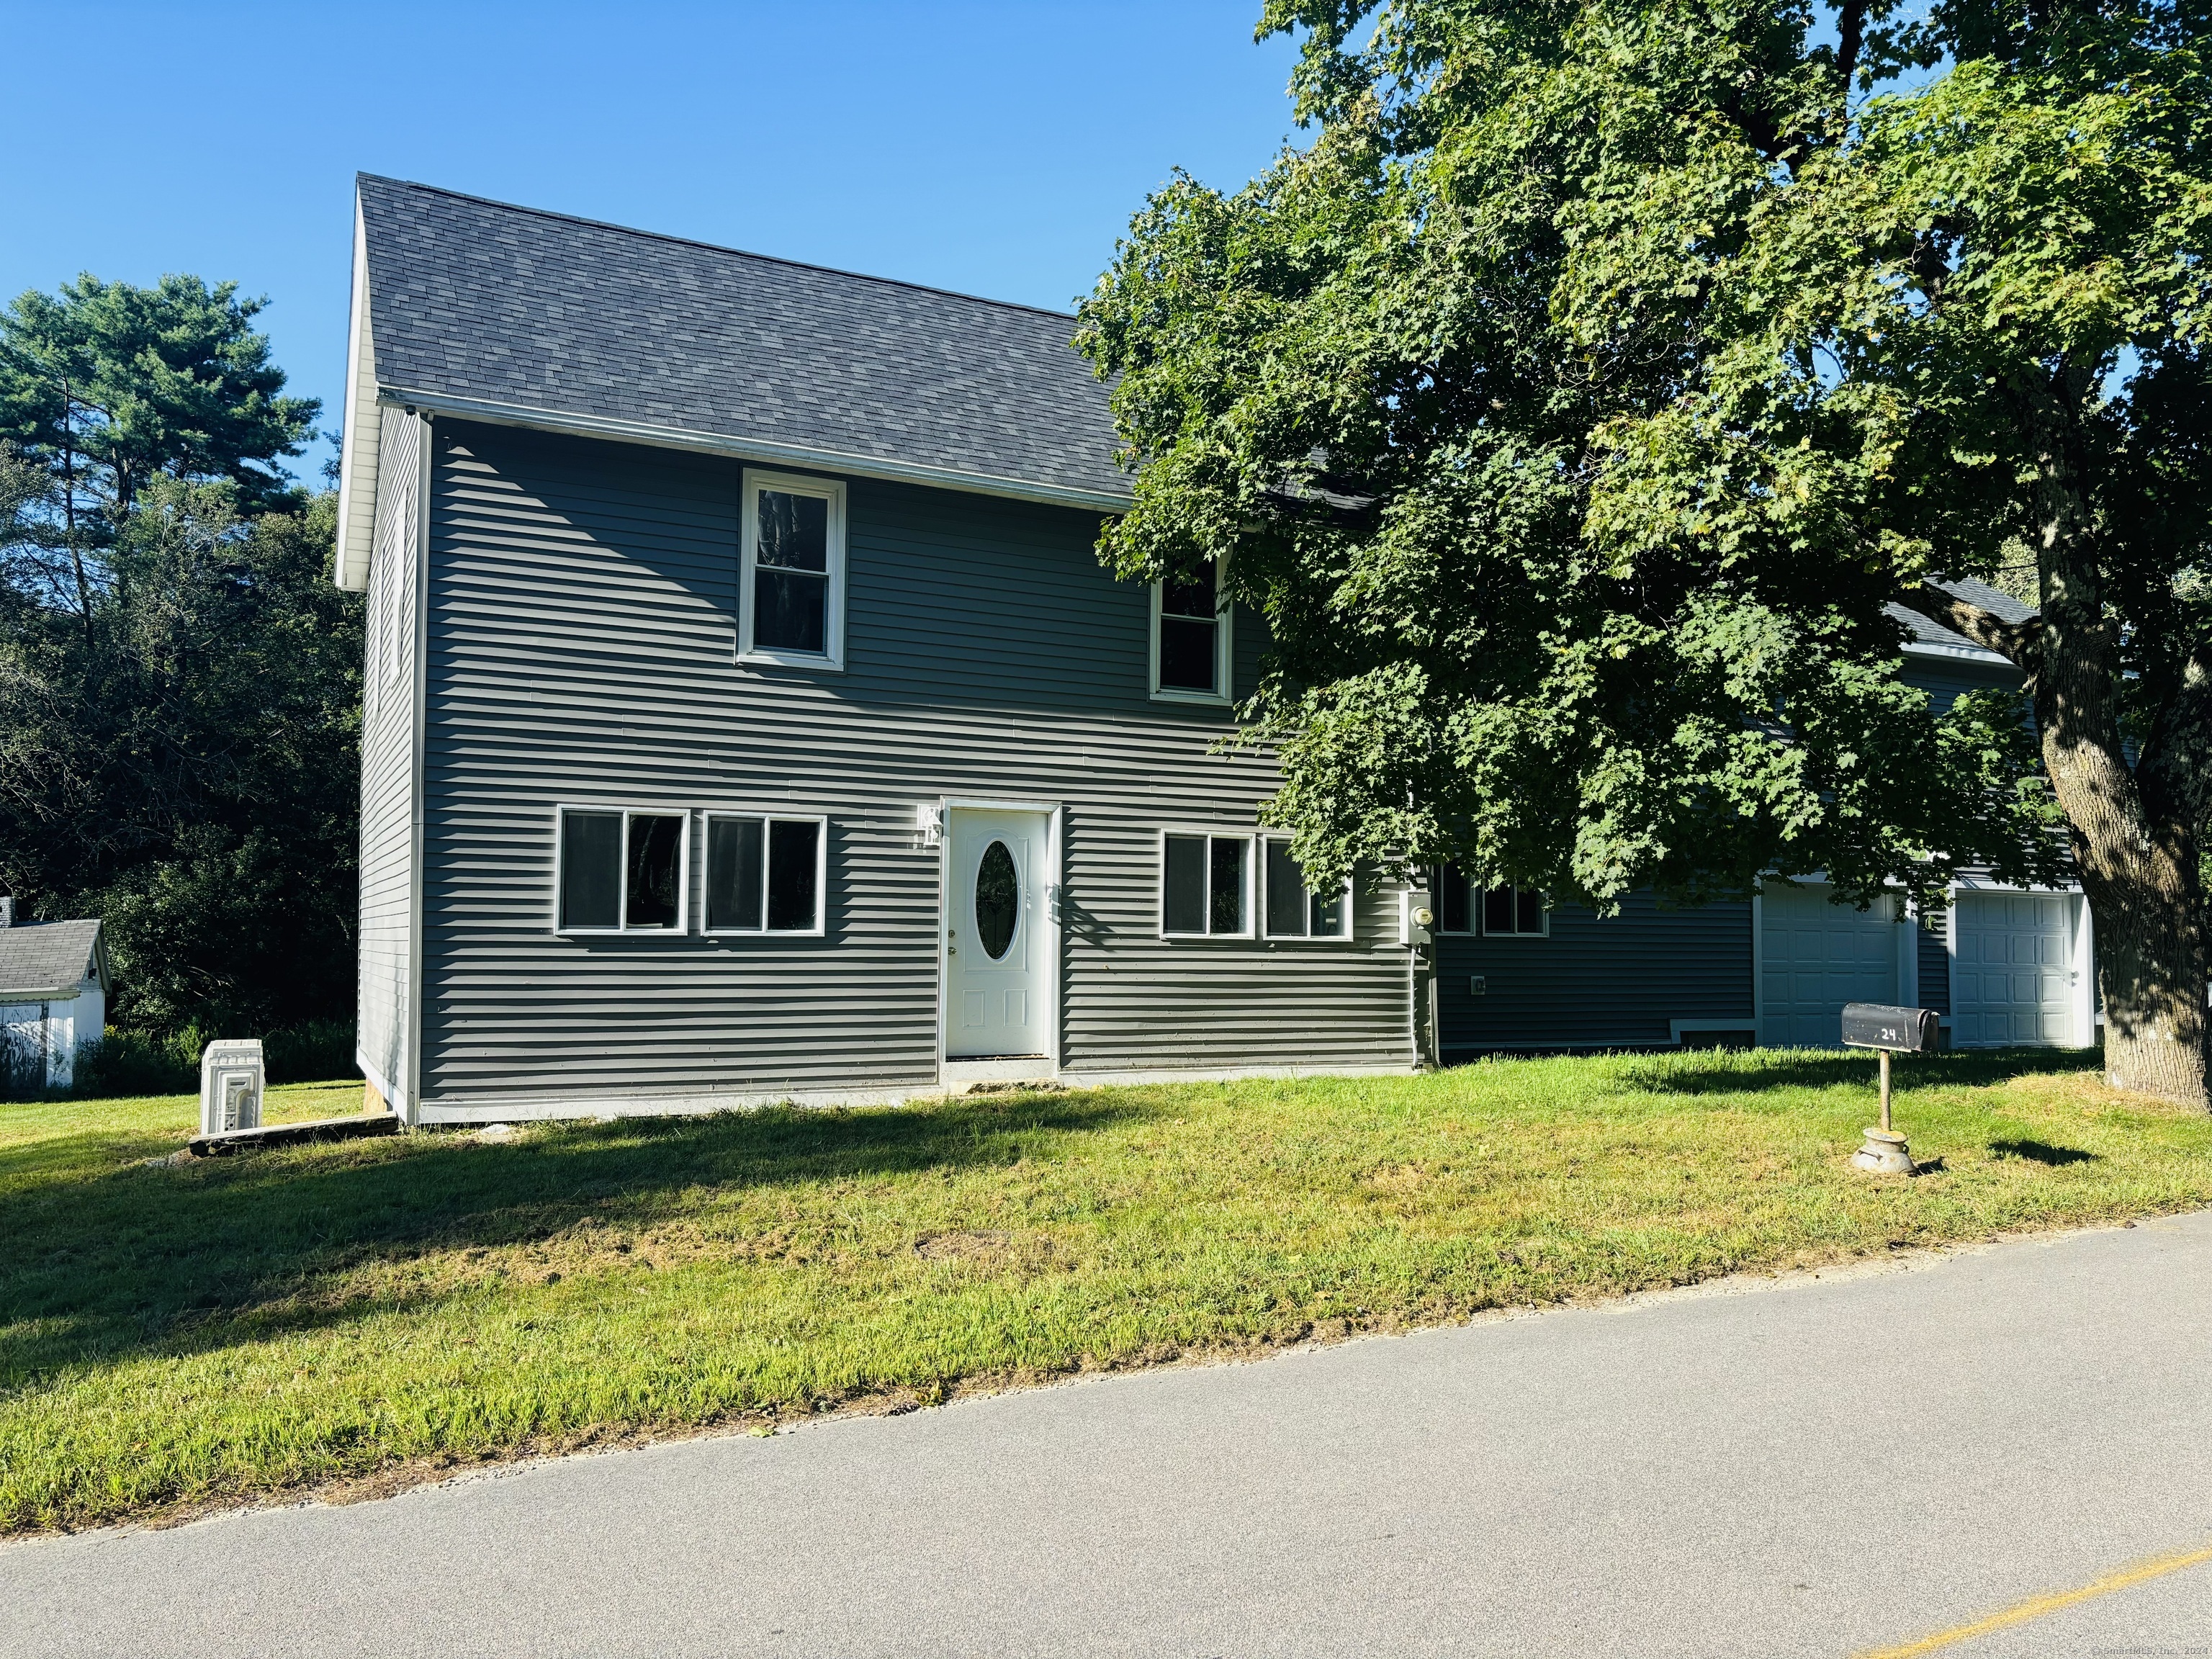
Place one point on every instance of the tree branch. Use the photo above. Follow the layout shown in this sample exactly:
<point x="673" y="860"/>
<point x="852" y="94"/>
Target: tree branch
<point x="1850" y="32"/>
<point x="2019" y="643"/>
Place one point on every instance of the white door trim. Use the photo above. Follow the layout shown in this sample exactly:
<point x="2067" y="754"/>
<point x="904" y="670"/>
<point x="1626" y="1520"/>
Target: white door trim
<point x="953" y="1073"/>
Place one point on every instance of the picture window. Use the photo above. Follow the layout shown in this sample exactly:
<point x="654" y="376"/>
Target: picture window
<point x="1206" y="886"/>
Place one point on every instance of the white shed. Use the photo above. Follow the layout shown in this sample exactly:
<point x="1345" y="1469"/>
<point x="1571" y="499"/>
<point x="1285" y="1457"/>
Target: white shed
<point x="53" y="991"/>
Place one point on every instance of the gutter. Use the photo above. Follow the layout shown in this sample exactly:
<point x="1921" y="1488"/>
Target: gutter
<point x="494" y="413"/>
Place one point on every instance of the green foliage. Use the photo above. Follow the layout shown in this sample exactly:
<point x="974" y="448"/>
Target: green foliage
<point x="108" y="384"/>
<point x="129" y="1064"/>
<point x="1575" y="404"/>
<point x="207" y="1333"/>
<point x="179" y="683"/>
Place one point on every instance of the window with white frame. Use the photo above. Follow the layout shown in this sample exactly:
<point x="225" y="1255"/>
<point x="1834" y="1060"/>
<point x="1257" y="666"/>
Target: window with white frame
<point x="1455" y="910"/>
<point x="791" y="598"/>
<point x="623" y="870"/>
<point x="1293" y="910"/>
<point x="1206" y="886"/>
<point x="1190" y="639"/>
<point x="764" y="873"/>
<point x="1515" y="912"/>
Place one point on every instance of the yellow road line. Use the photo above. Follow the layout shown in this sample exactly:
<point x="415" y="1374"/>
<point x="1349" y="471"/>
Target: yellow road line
<point x="2036" y="1607"/>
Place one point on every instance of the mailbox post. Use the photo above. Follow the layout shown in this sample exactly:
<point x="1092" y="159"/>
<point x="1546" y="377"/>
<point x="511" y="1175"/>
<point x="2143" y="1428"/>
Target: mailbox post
<point x="1887" y="1030"/>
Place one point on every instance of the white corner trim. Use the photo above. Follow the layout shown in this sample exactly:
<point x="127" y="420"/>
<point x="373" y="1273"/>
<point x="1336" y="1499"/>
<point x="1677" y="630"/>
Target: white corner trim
<point x="364" y="433"/>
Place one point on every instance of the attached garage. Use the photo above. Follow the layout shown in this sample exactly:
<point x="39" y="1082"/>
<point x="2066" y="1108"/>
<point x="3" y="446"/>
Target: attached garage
<point x="2020" y="970"/>
<point x="1816" y="956"/>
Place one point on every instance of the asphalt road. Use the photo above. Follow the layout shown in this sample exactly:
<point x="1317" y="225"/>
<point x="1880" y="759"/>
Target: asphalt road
<point x="1820" y="1467"/>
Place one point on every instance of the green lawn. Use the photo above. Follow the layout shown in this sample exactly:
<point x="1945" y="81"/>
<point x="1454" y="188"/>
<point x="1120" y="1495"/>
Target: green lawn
<point x="177" y="1335"/>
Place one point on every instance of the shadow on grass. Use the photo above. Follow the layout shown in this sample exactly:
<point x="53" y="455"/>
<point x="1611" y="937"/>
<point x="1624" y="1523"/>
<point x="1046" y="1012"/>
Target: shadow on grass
<point x="2038" y="1151"/>
<point x="104" y="1260"/>
<point x="1713" y="1072"/>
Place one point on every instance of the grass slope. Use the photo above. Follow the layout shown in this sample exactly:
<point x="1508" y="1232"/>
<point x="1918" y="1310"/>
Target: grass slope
<point x="181" y="1335"/>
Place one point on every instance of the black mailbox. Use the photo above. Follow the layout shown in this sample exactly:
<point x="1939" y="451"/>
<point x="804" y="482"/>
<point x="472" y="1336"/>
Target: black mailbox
<point x="1874" y="1025"/>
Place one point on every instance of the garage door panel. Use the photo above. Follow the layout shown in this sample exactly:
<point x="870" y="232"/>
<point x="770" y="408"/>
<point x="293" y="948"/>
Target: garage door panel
<point x="1815" y="957"/>
<point x="2013" y="975"/>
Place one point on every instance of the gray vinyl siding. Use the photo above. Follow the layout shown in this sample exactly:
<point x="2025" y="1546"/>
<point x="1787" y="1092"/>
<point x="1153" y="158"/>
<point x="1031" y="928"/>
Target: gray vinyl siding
<point x="582" y="628"/>
<point x="387" y="748"/>
<point x="1595" y="981"/>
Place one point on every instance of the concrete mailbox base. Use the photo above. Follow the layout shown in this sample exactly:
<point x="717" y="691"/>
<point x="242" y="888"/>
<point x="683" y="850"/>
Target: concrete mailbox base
<point x="1883" y="1153"/>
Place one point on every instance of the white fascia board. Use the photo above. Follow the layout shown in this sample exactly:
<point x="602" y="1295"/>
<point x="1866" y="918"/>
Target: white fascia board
<point x="1963" y="652"/>
<point x="750" y="449"/>
<point x="363" y="430"/>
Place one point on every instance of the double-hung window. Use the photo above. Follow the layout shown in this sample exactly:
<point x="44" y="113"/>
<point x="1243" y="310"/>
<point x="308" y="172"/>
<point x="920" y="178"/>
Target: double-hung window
<point x="623" y="871"/>
<point x="1191" y="647"/>
<point x="765" y="874"/>
<point x="791" y="595"/>
<point x="1206" y="886"/>
<point x="1296" y="911"/>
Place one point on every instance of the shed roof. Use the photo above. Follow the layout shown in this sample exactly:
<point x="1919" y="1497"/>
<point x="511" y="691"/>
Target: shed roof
<point x="40" y="960"/>
<point x="476" y="308"/>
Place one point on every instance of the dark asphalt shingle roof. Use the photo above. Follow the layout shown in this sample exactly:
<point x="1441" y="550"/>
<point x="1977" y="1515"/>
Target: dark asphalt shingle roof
<point x="41" y="959"/>
<point x="479" y="300"/>
<point x="1926" y="630"/>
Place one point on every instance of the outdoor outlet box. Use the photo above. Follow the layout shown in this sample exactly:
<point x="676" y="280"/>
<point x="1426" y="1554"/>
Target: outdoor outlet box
<point x="231" y="1079"/>
<point x="1478" y="985"/>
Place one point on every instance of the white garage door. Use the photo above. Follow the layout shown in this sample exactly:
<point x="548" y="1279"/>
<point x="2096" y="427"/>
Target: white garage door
<point x="2013" y="976"/>
<point x="1815" y="956"/>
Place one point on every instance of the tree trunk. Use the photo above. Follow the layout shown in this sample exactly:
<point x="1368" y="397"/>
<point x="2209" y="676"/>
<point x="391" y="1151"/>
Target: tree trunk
<point x="2140" y="873"/>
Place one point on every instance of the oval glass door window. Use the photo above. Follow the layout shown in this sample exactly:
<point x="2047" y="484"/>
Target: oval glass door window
<point x="998" y="900"/>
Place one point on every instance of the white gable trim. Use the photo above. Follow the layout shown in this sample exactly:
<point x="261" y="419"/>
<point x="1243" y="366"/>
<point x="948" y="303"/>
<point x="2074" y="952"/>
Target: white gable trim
<point x="357" y="453"/>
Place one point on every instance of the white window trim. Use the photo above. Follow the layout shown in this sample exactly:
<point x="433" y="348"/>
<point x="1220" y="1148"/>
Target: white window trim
<point x="1252" y="854"/>
<point x="831" y="490"/>
<point x="1351" y="917"/>
<point x="769" y="815"/>
<point x="1225" y="656"/>
<point x="1474" y="928"/>
<point x="628" y="810"/>
<point x="1475" y="897"/>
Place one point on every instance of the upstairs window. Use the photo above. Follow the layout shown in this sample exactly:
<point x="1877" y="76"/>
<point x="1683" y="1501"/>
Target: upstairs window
<point x="791" y="601"/>
<point x="1206" y="886"/>
<point x="764" y="873"/>
<point x="623" y="871"/>
<point x="1293" y="910"/>
<point x="1190" y="639"/>
<point x="1515" y="912"/>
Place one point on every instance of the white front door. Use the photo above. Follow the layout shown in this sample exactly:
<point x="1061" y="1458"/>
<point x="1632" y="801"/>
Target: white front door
<point x="2013" y="975"/>
<point x="997" y="961"/>
<point x="1815" y="957"/>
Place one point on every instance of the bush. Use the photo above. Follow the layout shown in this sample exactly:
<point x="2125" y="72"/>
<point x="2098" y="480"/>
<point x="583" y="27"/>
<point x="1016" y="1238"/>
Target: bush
<point x="144" y="1063"/>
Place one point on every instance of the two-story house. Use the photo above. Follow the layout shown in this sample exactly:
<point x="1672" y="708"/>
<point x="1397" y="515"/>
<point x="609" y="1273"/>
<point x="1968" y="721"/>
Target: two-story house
<point x="748" y="717"/>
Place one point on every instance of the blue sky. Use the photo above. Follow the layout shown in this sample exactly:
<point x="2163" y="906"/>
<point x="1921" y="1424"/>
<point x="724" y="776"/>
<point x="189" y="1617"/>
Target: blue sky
<point x="997" y="150"/>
